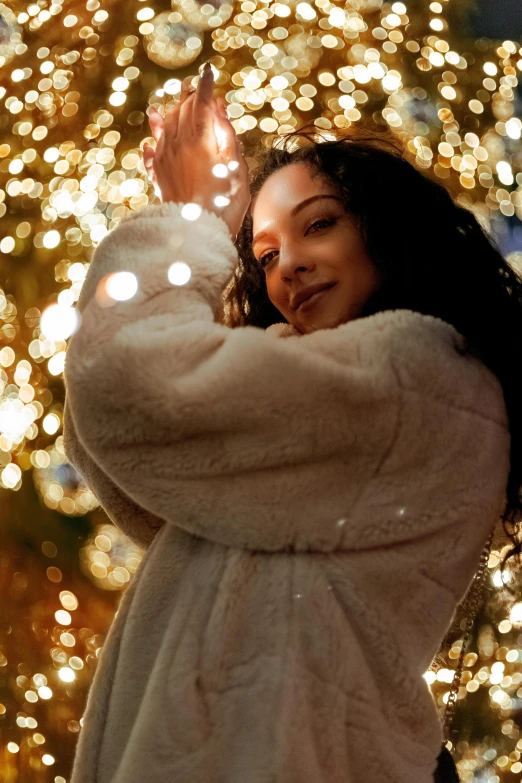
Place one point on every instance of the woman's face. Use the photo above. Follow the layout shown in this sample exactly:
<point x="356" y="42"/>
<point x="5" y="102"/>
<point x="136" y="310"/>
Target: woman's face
<point x="295" y="254"/>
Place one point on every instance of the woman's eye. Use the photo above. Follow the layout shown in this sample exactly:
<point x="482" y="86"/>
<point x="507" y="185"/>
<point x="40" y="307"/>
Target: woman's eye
<point x="325" y="221"/>
<point x="264" y="259"/>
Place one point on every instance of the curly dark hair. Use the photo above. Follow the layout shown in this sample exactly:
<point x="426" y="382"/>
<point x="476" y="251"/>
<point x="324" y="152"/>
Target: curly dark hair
<point x="433" y="255"/>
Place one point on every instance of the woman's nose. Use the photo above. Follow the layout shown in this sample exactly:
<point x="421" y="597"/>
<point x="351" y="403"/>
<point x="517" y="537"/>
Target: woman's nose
<point x="292" y="260"/>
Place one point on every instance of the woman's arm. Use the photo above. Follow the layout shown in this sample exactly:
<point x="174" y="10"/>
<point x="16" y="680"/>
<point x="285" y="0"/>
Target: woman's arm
<point x="137" y="523"/>
<point x="254" y="441"/>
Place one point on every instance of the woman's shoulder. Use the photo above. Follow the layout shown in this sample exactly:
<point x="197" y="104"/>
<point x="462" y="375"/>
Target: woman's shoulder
<point x="419" y="326"/>
<point x="431" y="355"/>
<point x="386" y="322"/>
<point x="426" y="354"/>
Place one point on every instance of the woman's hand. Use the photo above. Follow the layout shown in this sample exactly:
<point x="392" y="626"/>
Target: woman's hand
<point x="194" y="137"/>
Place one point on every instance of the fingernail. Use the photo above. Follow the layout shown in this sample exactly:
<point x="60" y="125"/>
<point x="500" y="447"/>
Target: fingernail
<point x="207" y="67"/>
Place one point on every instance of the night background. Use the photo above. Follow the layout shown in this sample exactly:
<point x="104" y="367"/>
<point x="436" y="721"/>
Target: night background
<point x="76" y="82"/>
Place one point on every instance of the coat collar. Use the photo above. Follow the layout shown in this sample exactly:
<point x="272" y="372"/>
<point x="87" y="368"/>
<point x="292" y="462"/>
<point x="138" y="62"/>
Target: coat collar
<point x="283" y="330"/>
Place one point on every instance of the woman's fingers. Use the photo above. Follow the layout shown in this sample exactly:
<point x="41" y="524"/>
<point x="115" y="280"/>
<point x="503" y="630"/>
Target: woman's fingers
<point x="196" y="119"/>
<point x="190" y="140"/>
<point x="203" y="112"/>
<point x="232" y="147"/>
<point x="157" y="158"/>
<point x="186" y="88"/>
<point x="177" y="113"/>
<point x="148" y="160"/>
<point x="156" y="123"/>
<point x="146" y="155"/>
<point x="205" y="88"/>
<point x="149" y="153"/>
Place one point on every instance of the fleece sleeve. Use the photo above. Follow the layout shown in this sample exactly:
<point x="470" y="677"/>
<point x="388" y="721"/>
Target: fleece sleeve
<point x="239" y="436"/>
<point x="139" y="524"/>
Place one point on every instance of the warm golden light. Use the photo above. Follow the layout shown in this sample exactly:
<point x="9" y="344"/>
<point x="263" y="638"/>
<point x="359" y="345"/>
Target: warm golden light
<point x="78" y="85"/>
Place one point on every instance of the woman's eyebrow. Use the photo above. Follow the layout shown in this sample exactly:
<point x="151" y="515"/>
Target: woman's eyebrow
<point x="295" y="211"/>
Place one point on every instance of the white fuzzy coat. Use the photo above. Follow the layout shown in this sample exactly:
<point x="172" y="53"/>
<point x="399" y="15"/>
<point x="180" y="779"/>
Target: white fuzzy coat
<point x="312" y="511"/>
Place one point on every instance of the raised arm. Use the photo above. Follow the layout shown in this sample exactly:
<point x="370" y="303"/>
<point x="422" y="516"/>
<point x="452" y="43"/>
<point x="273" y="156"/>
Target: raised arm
<point x="265" y="443"/>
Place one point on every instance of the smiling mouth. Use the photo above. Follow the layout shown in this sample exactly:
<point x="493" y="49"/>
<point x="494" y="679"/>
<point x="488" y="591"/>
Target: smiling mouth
<point x="314" y="298"/>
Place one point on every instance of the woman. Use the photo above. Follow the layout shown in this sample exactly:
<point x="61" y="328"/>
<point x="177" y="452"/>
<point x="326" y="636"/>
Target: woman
<point x="313" y="509"/>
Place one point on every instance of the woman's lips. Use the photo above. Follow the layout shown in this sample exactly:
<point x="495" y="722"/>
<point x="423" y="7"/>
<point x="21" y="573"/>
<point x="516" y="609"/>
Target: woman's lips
<point x="310" y="302"/>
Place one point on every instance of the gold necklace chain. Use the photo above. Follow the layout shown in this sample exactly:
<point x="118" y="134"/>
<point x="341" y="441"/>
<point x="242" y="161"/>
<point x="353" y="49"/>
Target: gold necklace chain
<point x="471" y="606"/>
